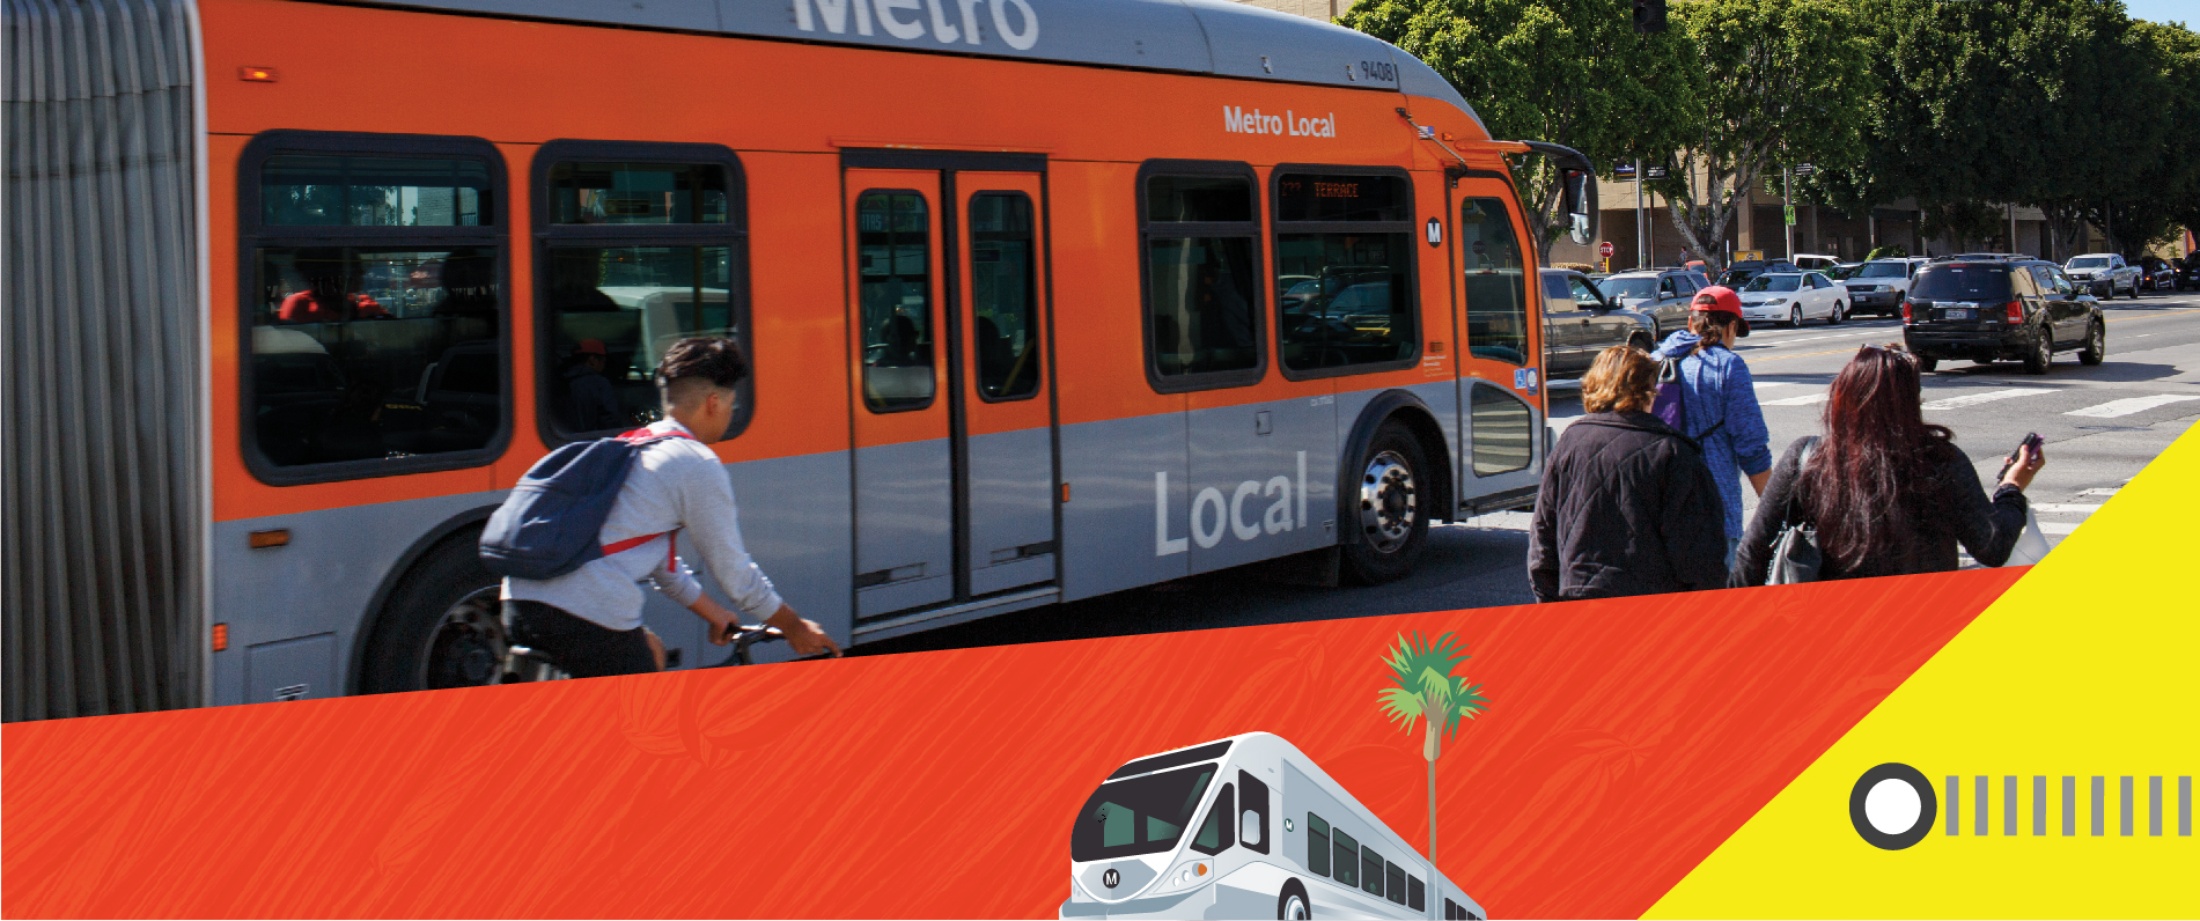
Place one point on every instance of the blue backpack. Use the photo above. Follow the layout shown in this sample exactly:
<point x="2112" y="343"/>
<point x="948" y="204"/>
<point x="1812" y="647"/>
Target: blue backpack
<point x="551" y="522"/>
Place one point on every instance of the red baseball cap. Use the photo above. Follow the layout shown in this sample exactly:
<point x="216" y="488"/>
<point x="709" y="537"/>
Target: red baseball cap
<point x="1722" y="299"/>
<point x="591" y="347"/>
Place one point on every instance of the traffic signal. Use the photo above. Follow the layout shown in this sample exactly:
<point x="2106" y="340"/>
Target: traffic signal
<point x="1649" y="15"/>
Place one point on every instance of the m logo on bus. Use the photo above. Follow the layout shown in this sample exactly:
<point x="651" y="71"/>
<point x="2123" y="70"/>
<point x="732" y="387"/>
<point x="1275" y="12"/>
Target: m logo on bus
<point x="1213" y="514"/>
<point x="1111" y="879"/>
<point x="948" y="21"/>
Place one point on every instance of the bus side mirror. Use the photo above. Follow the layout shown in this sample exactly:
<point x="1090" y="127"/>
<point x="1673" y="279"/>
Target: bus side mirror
<point x="1249" y="828"/>
<point x="1574" y="203"/>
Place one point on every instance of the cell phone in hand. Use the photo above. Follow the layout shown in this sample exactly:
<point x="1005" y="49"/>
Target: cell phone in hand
<point x="2032" y="439"/>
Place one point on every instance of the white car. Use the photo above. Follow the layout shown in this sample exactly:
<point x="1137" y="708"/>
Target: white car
<point x="2105" y="274"/>
<point x="1792" y="297"/>
<point x="1815" y="262"/>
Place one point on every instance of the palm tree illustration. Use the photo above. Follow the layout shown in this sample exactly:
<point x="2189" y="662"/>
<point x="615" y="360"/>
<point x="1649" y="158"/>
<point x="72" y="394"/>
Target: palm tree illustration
<point x="1424" y="690"/>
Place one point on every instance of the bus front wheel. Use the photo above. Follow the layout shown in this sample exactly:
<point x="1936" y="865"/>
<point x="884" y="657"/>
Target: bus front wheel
<point x="1292" y="904"/>
<point x="443" y="627"/>
<point x="1390" y="511"/>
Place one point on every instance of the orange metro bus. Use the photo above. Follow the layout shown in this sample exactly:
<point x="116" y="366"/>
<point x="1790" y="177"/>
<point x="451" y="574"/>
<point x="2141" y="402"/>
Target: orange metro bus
<point x="1045" y="299"/>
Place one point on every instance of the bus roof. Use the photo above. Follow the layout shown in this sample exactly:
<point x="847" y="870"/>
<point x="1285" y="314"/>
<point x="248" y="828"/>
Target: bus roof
<point x="1216" y="37"/>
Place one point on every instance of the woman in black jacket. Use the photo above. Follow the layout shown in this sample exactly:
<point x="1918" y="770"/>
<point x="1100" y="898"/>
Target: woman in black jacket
<point x="1888" y="494"/>
<point x="1627" y="505"/>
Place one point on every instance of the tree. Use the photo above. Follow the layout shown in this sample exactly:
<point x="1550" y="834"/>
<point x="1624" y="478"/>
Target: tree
<point x="1776" y="82"/>
<point x="1572" y="72"/>
<point x="2161" y="191"/>
<point x="1425" y="690"/>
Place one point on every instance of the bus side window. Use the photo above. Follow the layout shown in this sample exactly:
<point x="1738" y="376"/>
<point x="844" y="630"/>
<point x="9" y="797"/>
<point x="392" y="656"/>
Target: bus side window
<point x="1214" y="834"/>
<point x="1394" y="882"/>
<point x="1200" y="233"/>
<point x="1371" y="872"/>
<point x="641" y="245"/>
<point x="1252" y="813"/>
<point x="1416" y="893"/>
<point x="1347" y="852"/>
<point x="1344" y="264"/>
<point x="374" y="314"/>
<point x="1317" y="845"/>
<point x="1495" y="283"/>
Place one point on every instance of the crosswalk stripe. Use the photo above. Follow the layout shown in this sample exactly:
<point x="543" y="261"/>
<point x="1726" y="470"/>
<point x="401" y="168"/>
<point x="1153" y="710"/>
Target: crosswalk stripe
<point x="2065" y="507"/>
<point x="1815" y="398"/>
<point x="2128" y="406"/>
<point x="1990" y="396"/>
<point x="2059" y="528"/>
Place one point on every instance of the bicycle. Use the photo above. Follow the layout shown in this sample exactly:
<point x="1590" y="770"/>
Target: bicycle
<point x="523" y="663"/>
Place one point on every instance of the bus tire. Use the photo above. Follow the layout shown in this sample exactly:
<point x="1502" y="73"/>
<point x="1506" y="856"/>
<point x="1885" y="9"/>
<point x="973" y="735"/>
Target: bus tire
<point x="1293" y="905"/>
<point x="441" y="628"/>
<point x="1391" y="516"/>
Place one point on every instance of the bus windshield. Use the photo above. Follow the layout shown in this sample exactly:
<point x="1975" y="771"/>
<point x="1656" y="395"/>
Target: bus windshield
<point x="1140" y="815"/>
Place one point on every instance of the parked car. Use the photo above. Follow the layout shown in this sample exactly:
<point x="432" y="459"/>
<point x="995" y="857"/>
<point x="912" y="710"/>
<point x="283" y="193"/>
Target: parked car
<point x="2188" y="273"/>
<point x="2023" y="309"/>
<point x="1815" y="262"/>
<point x="1878" y="285"/>
<point x="2159" y="274"/>
<point x="2105" y="273"/>
<point x="1664" y="294"/>
<point x="1579" y="322"/>
<point x="1792" y="297"/>
<point x="1842" y="270"/>
<point x="1739" y="273"/>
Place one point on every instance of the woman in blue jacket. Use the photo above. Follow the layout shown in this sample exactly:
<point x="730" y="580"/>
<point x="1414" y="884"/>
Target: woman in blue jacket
<point x="1723" y="416"/>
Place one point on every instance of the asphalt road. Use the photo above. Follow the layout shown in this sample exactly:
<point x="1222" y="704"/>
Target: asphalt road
<point x="2101" y="425"/>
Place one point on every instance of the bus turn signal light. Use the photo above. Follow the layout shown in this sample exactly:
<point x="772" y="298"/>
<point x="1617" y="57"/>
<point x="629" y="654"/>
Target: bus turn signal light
<point x="262" y="540"/>
<point x="221" y="637"/>
<point x="256" y="74"/>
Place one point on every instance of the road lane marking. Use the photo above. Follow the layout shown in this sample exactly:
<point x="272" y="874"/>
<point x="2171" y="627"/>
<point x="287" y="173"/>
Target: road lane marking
<point x="2066" y="507"/>
<point x="2125" y="407"/>
<point x="2059" y="528"/>
<point x="1797" y="401"/>
<point x="1990" y="396"/>
<point x="2099" y="491"/>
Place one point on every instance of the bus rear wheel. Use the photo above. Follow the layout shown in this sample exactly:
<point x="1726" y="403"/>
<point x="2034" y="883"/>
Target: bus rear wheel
<point x="1389" y="513"/>
<point x="1292" y="904"/>
<point x="442" y="628"/>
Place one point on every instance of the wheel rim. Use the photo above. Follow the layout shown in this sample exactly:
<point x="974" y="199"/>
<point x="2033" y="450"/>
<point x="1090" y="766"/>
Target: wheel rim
<point x="2099" y="345"/>
<point x="2046" y="349"/>
<point x="1795" y="316"/>
<point x="1295" y="908"/>
<point x="1388" y="505"/>
<point x="468" y="645"/>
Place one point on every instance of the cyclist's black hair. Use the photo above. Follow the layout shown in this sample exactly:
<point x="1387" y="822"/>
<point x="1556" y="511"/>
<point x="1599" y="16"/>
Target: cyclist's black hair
<point x="712" y="358"/>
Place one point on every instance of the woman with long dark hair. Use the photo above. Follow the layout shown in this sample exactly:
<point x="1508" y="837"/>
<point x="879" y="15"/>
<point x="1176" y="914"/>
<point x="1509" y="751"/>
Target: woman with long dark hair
<point x="1888" y="493"/>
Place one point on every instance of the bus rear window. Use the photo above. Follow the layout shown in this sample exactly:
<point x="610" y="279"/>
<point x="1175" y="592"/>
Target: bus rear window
<point x="1962" y="283"/>
<point x="1140" y="815"/>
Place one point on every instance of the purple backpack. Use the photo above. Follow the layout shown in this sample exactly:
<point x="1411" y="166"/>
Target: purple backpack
<point x="1671" y="404"/>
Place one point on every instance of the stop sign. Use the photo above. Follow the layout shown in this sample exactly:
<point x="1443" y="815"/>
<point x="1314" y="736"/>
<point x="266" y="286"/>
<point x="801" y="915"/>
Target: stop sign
<point x="1605" y="249"/>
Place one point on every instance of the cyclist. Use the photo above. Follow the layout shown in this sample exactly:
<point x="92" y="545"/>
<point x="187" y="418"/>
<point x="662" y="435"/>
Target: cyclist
<point x="589" y="621"/>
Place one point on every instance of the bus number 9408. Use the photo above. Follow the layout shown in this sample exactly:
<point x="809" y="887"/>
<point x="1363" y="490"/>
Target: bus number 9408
<point x="1382" y="71"/>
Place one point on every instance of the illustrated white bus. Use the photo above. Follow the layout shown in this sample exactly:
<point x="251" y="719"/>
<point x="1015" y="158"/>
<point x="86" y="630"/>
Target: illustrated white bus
<point x="1242" y="828"/>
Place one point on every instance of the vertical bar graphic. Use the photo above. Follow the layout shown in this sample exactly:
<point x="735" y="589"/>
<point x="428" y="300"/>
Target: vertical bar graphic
<point x="2184" y="807"/>
<point x="2123" y="817"/>
<point x="1979" y="816"/>
<point x="2070" y="806"/>
<point x="2039" y="805"/>
<point x="2009" y="806"/>
<point x="2154" y="807"/>
<point x="2100" y="806"/>
<point x="1954" y="797"/>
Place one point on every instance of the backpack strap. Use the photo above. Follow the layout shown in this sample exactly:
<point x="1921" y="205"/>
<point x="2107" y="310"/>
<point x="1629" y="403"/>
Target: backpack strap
<point x="639" y="438"/>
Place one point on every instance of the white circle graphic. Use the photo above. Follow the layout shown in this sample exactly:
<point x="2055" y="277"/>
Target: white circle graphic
<point x="1892" y="806"/>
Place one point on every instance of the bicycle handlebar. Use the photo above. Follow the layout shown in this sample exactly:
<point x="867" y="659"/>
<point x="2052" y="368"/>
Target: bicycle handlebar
<point x="747" y="636"/>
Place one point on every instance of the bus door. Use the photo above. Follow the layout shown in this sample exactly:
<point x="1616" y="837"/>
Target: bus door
<point x="1502" y="365"/>
<point x="954" y="438"/>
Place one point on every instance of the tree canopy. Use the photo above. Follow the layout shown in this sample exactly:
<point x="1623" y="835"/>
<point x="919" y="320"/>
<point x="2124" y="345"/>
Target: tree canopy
<point x="2068" y="105"/>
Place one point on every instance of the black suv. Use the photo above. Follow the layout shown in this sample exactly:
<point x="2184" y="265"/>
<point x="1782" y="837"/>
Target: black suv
<point x="2024" y="309"/>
